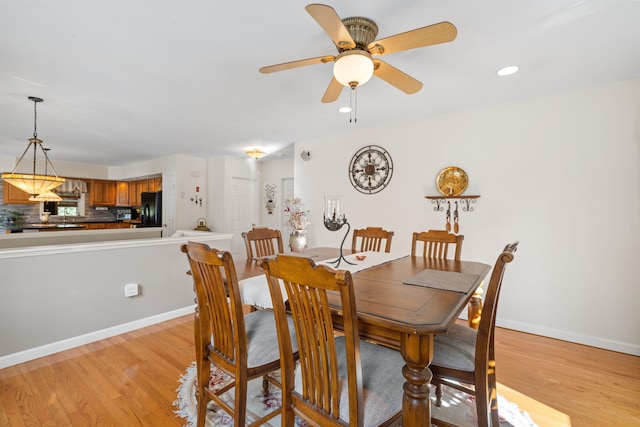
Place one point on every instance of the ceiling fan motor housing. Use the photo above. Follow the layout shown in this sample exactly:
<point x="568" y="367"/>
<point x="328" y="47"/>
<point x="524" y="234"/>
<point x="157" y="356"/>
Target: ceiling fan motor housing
<point x="363" y="31"/>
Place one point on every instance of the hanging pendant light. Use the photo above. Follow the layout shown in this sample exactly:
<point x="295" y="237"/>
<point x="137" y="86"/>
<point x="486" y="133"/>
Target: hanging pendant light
<point x="34" y="184"/>
<point x="47" y="196"/>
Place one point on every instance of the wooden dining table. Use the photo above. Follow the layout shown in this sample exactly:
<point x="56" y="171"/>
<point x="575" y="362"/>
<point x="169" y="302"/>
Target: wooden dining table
<point x="402" y="316"/>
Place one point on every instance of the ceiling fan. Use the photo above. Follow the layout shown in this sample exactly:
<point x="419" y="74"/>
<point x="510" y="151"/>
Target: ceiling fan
<point x="355" y="63"/>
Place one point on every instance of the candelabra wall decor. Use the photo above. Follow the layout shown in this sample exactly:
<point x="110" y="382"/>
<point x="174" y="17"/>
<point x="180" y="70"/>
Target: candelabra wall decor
<point x="270" y="196"/>
<point x="334" y="219"/>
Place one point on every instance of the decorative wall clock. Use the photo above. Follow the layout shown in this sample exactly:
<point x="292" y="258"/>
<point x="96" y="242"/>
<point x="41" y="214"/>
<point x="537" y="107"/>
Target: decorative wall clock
<point x="370" y="169"/>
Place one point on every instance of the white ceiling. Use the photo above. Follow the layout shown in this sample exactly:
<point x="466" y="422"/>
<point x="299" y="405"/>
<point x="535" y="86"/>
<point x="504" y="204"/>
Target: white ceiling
<point x="129" y="80"/>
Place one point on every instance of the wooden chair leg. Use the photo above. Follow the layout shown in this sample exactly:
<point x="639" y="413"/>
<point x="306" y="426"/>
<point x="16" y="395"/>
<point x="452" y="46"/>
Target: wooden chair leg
<point x="265" y="386"/>
<point x="240" y="403"/>
<point x="482" y="402"/>
<point x="201" y="397"/>
<point x="438" y="393"/>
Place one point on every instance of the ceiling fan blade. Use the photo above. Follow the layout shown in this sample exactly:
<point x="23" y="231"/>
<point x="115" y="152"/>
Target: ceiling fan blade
<point x="442" y="32"/>
<point x="328" y="19"/>
<point x="395" y="77"/>
<point x="295" y="64"/>
<point x="333" y="91"/>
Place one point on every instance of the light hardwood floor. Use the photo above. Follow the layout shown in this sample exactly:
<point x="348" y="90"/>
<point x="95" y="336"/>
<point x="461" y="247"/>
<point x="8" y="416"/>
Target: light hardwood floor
<point x="131" y="380"/>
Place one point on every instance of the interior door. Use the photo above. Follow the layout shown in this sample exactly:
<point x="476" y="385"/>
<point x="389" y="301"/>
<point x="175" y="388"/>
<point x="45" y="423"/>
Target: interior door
<point x="243" y="213"/>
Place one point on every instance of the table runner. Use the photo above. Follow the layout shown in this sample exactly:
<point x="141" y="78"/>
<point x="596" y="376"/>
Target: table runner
<point x="372" y="259"/>
<point x="444" y="280"/>
<point x="255" y="291"/>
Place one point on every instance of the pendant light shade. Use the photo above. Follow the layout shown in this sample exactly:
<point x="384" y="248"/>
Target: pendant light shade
<point x="34" y="183"/>
<point x="47" y="196"/>
<point x="353" y="68"/>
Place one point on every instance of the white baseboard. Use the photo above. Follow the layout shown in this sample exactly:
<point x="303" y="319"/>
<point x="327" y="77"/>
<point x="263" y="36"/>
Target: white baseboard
<point x="45" y="350"/>
<point x="589" y="340"/>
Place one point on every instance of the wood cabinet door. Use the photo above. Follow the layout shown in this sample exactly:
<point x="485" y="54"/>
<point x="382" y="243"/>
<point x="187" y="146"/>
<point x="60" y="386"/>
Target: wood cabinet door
<point x="14" y="196"/>
<point x="102" y="193"/>
<point x="122" y="193"/>
<point x="134" y="193"/>
<point x="146" y="185"/>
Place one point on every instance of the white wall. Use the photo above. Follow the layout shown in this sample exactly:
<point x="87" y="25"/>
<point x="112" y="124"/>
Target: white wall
<point x="65" y="169"/>
<point x="190" y="172"/>
<point x="272" y="173"/>
<point x="558" y="173"/>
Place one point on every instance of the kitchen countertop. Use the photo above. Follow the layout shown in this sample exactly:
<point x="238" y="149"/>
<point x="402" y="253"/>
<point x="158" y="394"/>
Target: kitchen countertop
<point x="50" y="226"/>
<point x="69" y="225"/>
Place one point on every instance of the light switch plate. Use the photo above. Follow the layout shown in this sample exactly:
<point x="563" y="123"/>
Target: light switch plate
<point x="131" y="290"/>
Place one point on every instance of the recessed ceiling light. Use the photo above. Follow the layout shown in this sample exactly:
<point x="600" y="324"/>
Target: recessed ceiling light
<point x="344" y="109"/>
<point x="507" y="71"/>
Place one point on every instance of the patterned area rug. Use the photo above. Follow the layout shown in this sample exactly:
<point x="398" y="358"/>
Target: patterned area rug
<point x="457" y="408"/>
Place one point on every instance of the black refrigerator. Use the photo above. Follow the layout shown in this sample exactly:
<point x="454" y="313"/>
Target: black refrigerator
<point x="151" y="209"/>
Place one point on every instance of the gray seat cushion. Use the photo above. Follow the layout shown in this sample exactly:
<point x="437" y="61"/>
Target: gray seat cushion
<point x="456" y="349"/>
<point x="262" y="337"/>
<point x="382" y="382"/>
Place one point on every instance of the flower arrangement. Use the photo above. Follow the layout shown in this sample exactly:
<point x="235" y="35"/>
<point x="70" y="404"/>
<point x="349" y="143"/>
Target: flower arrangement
<point x="298" y="217"/>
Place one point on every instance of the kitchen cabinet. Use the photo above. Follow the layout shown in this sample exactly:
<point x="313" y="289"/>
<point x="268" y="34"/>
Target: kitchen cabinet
<point x="143" y="185"/>
<point x="122" y="193"/>
<point x="151" y="184"/>
<point x="12" y="195"/>
<point x="134" y="193"/>
<point x="102" y="193"/>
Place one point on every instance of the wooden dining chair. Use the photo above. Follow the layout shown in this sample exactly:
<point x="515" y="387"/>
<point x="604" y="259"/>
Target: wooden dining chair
<point x="436" y="244"/>
<point x="465" y="356"/>
<point x="339" y="381"/>
<point x="371" y="239"/>
<point x="245" y="347"/>
<point x="261" y="242"/>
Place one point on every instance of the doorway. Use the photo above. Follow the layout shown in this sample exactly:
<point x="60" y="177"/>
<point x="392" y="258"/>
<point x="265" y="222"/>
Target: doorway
<point x="243" y="213"/>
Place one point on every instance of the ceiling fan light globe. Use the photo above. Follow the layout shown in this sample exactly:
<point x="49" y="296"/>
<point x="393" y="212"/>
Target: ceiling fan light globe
<point x="353" y="68"/>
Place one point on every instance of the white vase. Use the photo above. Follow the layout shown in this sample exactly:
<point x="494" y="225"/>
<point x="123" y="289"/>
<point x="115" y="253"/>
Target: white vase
<point x="298" y="240"/>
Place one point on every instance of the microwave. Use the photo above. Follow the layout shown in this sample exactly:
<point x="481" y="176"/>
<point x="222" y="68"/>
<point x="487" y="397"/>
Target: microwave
<point x="122" y="214"/>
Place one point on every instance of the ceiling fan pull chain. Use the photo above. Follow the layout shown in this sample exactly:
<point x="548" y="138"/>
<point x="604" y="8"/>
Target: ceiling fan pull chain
<point x="351" y="106"/>
<point x="355" y="104"/>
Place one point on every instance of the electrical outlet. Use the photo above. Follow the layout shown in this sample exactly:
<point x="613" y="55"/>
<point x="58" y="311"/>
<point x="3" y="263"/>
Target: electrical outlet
<point x="131" y="290"/>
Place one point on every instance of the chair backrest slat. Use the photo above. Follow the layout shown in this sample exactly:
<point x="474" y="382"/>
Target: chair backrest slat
<point x="306" y="286"/>
<point x="262" y="242"/>
<point x="371" y="239"/>
<point x="436" y="244"/>
<point x="219" y="308"/>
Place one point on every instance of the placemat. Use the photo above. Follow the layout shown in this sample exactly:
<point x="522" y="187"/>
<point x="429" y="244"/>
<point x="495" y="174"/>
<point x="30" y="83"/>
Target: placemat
<point x="444" y="280"/>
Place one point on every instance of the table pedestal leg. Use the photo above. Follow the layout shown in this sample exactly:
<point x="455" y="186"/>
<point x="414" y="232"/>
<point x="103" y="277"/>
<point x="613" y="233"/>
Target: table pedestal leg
<point x="417" y="352"/>
<point x="474" y="308"/>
